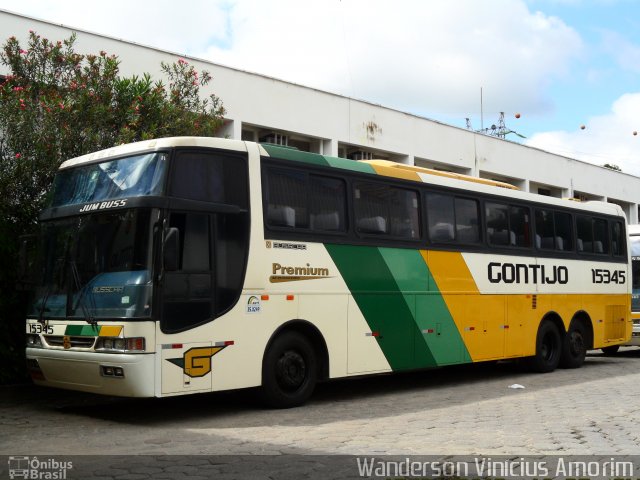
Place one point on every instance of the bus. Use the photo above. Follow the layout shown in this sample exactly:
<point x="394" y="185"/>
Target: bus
<point x="184" y="265"/>
<point x="634" y="241"/>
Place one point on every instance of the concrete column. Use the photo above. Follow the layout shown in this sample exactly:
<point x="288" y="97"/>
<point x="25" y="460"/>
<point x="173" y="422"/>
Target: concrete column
<point x="329" y="147"/>
<point x="231" y="129"/>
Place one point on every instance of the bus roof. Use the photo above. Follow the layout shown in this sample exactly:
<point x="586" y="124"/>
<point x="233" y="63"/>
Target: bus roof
<point x="434" y="177"/>
<point x="376" y="167"/>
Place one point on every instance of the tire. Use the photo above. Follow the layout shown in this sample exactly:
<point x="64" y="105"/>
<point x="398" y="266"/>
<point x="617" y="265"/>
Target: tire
<point x="548" y="348"/>
<point x="612" y="350"/>
<point x="574" y="346"/>
<point x="289" y="371"/>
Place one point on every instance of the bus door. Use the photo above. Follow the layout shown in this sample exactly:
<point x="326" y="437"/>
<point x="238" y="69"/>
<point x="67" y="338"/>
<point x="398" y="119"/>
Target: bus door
<point x="187" y="301"/>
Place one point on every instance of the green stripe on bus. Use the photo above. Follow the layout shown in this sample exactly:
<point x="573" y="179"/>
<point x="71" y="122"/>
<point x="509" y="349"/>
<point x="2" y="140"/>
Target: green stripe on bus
<point x="438" y="333"/>
<point x="82" y="330"/>
<point x="286" y="153"/>
<point x="382" y="303"/>
<point x="295" y="155"/>
<point x="399" y="298"/>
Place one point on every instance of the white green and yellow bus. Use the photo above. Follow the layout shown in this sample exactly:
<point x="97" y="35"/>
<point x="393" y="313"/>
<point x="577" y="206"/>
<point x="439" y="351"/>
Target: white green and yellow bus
<point x="634" y="242"/>
<point x="186" y="265"/>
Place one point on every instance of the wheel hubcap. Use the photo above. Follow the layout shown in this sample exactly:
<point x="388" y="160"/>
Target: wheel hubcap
<point x="548" y="347"/>
<point x="576" y="344"/>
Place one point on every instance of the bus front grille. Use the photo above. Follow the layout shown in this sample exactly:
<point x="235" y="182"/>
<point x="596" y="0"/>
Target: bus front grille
<point x="74" y="342"/>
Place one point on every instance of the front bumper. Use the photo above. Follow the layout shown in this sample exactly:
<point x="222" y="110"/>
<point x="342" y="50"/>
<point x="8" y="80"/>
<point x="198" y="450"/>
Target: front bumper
<point x="84" y="371"/>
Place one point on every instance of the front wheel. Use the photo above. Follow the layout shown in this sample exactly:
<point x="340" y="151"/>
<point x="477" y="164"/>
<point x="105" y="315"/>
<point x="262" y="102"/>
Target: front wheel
<point x="548" y="348"/>
<point x="574" y="348"/>
<point x="289" y="371"/>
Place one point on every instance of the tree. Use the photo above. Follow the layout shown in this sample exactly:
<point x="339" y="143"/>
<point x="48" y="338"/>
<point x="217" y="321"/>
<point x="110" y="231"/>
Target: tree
<point x="58" y="104"/>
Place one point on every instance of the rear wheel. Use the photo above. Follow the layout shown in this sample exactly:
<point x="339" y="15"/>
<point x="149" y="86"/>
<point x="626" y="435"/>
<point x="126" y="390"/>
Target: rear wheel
<point x="612" y="350"/>
<point x="548" y="348"/>
<point x="289" y="371"/>
<point x="574" y="347"/>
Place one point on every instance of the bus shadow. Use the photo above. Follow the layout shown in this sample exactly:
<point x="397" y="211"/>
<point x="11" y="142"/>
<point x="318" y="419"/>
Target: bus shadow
<point x="352" y="398"/>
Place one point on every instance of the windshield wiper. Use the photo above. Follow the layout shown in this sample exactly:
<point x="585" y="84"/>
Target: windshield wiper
<point x="43" y="307"/>
<point x="85" y="312"/>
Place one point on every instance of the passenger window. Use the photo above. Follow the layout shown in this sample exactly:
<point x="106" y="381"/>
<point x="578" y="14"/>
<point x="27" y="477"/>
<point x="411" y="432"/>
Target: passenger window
<point x="554" y="230"/>
<point x="545" y="234"/>
<point x="498" y="224"/>
<point x="301" y="201"/>
<point x="441" y="217"/>
<point x="327" y="204"/>
<point x="452" y="219"/>
<point x="600" y="236"/>
<point x="617" y="239"/>
<point x="209" y="177"/>
<point x="564" y="231"/>
<point x="287" y="204"/>
<point x="384" y="210"/>
<point x="519" y="227"/>
<point x="584" y="241"/>
<point x="508" y="225"/>
<point x="467" y="220"/>
<point x="593" y="235"/>
<point x="198" y="176"/>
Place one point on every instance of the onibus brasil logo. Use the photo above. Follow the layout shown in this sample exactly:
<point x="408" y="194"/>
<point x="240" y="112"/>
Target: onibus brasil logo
<point x="34" y="468"/>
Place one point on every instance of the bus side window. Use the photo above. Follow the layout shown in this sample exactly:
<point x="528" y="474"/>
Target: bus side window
<point x="467" y="220"/>
<point x="600" y="236"/>
<point x="585" y="235"/>
<point x="327" y="204"/>
<point x="287" y="199"/>
<point x="498" y="224"/>
<point x="519" y="226"/>
<point x="617" y="239"/>
<point x="371" y="208"/>
<point x="405" y="214"/>
<point x="441" y="216"/>
<point x="544" y="230"/>
<point x="563" y="231"/>
<point x="198" y="176"/>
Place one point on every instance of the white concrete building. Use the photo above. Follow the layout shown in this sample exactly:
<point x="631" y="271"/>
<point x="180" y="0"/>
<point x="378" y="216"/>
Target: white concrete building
<point x="268" y="109"/>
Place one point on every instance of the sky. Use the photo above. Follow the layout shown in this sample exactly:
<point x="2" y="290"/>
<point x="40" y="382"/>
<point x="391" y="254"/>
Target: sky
<point x="566" y="73"/>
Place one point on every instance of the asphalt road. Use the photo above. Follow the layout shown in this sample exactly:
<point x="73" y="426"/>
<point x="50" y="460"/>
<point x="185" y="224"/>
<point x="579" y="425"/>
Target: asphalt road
<point x="467" y="411"/>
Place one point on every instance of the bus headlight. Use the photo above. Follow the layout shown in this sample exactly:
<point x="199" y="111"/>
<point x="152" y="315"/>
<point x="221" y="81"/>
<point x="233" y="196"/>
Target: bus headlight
<point x="120" y="345"/>
<point x="33" y="341"/>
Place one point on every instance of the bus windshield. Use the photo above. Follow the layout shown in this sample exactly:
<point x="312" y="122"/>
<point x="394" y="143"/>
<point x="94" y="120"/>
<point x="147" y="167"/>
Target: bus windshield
<point x="96" y="266"/>
<point x="635" y="266"/>
<point x="126" y="177"/>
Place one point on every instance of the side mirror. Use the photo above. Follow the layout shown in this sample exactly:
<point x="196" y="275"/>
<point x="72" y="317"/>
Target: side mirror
<point x="171" y="250"/>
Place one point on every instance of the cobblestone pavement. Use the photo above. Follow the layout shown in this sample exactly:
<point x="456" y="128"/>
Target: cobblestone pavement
<point x="466" y="410"/>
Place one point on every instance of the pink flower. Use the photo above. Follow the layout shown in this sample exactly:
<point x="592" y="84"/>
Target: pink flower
<point x="18" y="155"/>
<point x="18" y="89"/>
<point x="182" y="61"/>
<point x="23" y="52"/>
<point x="61" y="105"/>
